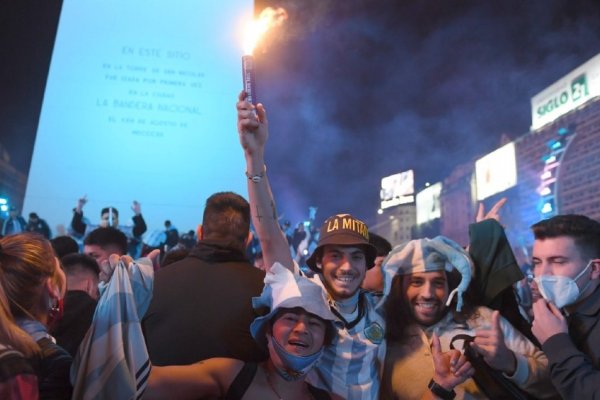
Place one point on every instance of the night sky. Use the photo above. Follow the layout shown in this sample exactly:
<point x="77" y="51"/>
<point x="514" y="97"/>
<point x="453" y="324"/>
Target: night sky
<point x="357" y="90"/>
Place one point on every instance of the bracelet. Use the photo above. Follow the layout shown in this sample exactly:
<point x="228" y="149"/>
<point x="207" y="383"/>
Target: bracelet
<point x="440" y="391"/>
<point x="257" y="177"/>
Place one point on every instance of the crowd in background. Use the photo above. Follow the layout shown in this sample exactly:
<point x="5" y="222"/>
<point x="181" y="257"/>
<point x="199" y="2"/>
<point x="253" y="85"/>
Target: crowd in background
<point x="314" y="311"/>
<point x="302" y="236"/>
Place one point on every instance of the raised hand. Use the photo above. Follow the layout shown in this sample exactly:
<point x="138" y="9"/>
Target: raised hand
<point x="252" y="125"/>
<point x="81" y="202"/>
<point x="154" y="256"/>
<point x="493" y="213"/>
<point x="490" y="344"/>
<point x="136" y="207"/>
<point x="107" y="267"/>
<point x="547" y="321"/>
<point x="451" y="367"/>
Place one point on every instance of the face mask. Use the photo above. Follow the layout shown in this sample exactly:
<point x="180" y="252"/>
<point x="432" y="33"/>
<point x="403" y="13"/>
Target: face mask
<point x="295" y="366"/>
<point x="560" y="290"/>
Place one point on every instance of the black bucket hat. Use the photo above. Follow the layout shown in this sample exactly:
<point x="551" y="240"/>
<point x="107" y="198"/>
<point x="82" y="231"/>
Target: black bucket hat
<point x="344" y="230"/>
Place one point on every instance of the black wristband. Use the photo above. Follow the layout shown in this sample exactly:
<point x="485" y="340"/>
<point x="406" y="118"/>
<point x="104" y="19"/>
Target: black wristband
<point x="440" y="391"/>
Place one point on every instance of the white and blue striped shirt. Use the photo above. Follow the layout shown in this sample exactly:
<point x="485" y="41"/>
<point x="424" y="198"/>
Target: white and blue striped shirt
<point x="351" y="366"/>
<point x="112" y="361"/>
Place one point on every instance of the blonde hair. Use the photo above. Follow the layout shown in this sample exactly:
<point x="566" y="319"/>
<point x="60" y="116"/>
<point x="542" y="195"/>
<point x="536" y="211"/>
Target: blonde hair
<point x="26" y="262"/>
<point x="10" y="333"/>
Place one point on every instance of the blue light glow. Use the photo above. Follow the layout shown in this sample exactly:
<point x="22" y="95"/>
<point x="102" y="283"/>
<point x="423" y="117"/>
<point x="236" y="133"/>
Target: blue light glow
<point x="139" y="105"/>
<point x="547" y="208"/>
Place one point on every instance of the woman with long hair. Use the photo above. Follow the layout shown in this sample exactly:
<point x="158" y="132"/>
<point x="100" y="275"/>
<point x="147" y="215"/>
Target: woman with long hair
<point x="34" y="284"/>
<point x="17" y="378"/>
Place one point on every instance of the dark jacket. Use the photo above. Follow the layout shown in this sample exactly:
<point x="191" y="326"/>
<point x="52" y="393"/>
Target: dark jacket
<point x="76" y="320"/>
<point x="575" y="357"/>
<point x="40" y="226"/>
<point x="17" y="377"/>
<point x="496" y="272"/>
<point x="52" y="365"/>
<point x="80" y="227"/>
<point x="202" y="307"/>
<point x="9" y="226"/>
<point x="53" y="369"/>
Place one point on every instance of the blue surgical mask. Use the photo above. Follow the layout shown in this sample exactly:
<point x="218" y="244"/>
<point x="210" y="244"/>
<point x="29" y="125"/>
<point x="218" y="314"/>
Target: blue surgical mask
<point x="296" y="367"/>
<point x="560" y="290"/>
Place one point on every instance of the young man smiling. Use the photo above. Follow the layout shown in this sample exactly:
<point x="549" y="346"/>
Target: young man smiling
<point x="566" y="265"/>
<point x="350" y="366"/>
<point x="426" y="300"/>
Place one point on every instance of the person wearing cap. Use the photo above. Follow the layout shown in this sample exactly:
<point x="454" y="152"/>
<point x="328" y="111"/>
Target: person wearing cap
<point x="350" y="367"/>
<point x="297" y="328"/>
<point x="428" y="284"/>
<point x="38" y="225"/>
<point x="14" y="224"/>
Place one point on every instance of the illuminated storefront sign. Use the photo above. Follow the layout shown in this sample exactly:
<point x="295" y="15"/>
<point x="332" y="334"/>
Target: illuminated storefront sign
<point x="565" y="95"/>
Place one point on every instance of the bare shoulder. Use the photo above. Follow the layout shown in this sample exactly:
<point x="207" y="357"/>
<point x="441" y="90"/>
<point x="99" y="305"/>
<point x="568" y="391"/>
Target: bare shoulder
<point x="210" y="377"/>
<point x="225" y="370"/>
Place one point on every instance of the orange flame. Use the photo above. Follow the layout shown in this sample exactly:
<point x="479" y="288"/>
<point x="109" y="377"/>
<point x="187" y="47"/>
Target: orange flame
<point x="269" y="18"/>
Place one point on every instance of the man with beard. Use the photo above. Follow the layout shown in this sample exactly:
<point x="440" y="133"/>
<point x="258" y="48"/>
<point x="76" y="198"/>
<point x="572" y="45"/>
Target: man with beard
<point x="429" y="296"/>
<point x="350" y="367"/>
<point x="566" y="265"/>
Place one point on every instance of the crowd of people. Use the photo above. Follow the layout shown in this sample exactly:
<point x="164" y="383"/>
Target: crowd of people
<point x="331" y="313"/>
<point x="141" y="241"/>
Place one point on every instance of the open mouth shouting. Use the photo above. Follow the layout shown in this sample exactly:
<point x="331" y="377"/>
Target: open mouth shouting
<point x="298" y="346"/>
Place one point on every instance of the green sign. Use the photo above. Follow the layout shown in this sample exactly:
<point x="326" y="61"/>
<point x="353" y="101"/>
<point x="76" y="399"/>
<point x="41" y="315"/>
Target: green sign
<point x="579" y="90"/>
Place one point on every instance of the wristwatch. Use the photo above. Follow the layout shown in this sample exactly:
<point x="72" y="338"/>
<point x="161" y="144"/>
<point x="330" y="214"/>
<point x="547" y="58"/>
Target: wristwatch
<point x="257" y="177"/>
<point x="440" y="391"/>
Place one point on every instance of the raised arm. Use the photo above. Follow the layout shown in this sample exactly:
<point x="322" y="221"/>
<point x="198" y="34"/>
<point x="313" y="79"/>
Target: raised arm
<point x="253" y="130"/>
<point x="209" y="378"/>
<point x="77" y="224"/>
<point x="139" y="225"/>
<point x="493" y="213"/>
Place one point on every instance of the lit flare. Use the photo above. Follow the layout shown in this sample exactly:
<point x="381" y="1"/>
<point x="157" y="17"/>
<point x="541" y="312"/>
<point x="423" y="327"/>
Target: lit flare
<point x="269" y="18"/>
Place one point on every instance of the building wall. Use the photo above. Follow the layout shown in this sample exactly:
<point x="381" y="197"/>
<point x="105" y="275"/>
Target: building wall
<point x="396" y="223"/>
<point x="428" y="229"/>
<point x="12" y="183"/>
<point x="458" y="204"/>
<point x="578" y="180"/>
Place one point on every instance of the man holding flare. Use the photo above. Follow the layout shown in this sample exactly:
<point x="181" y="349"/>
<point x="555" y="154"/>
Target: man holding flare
<point x="350" y="367"/>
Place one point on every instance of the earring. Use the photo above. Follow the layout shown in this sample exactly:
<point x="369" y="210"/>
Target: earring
<point x="56" y="311"/>
<point x="53" y="306"/>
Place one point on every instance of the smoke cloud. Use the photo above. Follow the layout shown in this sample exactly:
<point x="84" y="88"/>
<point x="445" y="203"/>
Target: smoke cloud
<point x="359" y="90"/>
